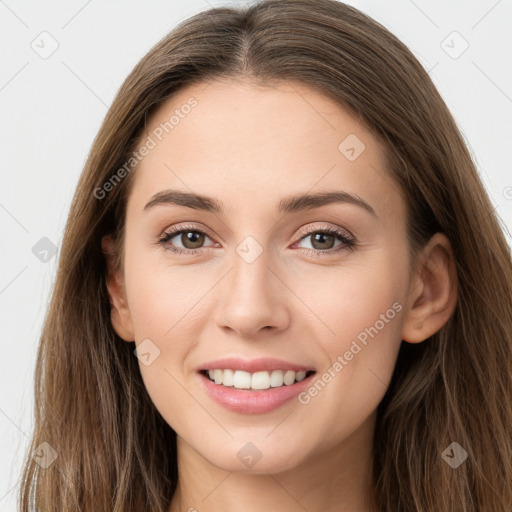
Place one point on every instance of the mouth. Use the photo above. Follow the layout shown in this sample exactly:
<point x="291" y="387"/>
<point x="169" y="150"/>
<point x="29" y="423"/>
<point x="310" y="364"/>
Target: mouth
<point x="257" y="391"/>
<point x="255" y="381"/>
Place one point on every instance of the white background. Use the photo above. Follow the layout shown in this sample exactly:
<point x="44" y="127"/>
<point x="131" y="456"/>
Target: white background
<point x="51" y="109"/>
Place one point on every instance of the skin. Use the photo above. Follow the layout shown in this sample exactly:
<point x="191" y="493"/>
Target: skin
<point x="250" y="146"/>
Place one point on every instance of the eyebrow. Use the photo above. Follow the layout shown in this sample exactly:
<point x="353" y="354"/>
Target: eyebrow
<point x="288" y="205"/>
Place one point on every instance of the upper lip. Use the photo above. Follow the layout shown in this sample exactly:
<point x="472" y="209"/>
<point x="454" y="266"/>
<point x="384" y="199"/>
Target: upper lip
<point x="253" y="365"/>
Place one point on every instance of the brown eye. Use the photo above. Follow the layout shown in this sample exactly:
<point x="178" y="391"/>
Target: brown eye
<point x="322" y="241"/>
<point x="184" y="240"/>
<point x="192" y="239"/>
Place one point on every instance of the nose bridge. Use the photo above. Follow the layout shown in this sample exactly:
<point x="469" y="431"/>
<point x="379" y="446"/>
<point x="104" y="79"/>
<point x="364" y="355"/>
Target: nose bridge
<point x="249" y="279"/>
<point x="250" y="272"/>
<point x="250" y="298"/>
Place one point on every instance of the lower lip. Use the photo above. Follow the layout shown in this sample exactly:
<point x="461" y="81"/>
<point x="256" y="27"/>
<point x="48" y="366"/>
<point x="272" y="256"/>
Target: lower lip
<point x="253" y="402"/>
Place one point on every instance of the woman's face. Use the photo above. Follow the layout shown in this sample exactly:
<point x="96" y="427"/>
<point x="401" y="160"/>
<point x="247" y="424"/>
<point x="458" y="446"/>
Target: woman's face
<point x="258" y="280"/>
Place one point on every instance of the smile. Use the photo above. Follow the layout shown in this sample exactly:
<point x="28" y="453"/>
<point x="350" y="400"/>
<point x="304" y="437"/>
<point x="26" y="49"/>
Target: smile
<point x="256" y="381"/>
<point x="253" y="389"/>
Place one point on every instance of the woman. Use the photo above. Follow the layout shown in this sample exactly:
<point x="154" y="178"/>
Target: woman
<point x="198" y="356"/>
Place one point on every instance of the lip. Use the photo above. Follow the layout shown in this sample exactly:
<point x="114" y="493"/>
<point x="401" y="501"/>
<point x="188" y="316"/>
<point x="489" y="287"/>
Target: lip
<point x="244" y="401"/>
<point x="254" y="365"/>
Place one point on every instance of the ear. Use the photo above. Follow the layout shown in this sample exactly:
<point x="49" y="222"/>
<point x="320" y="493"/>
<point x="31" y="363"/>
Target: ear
<point x="119" y="312"/>
<point x="433" y="292"/>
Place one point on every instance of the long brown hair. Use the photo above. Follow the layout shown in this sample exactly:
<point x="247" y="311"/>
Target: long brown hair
<point x="91" y="405"/>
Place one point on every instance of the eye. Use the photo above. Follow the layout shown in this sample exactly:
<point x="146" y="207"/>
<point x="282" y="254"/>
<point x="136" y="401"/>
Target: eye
<point x="323" y="240"/>
<point x="190" y="237"/>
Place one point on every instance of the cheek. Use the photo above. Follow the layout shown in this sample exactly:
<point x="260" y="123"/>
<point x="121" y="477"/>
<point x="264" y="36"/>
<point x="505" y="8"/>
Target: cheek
<point x="163" y="298"/>
<point x="355" y="302"/>
<point x="159" y="313"/>
<point x="358" y="314"/>
<point x="167" y="306"/>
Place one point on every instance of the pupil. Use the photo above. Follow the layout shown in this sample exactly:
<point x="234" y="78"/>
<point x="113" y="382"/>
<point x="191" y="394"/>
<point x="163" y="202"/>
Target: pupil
<point x="192" y="237"/>
<point x="322" y="236"/>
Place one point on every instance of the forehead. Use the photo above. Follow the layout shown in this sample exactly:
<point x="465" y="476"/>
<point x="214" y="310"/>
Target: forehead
<point x="252" y="144"/>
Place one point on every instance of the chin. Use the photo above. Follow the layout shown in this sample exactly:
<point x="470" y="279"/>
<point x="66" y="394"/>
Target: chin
<point x="255" y="456"/>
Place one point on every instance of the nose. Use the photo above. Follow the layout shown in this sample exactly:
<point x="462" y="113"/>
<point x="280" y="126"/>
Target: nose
<point x="252" y="299"/>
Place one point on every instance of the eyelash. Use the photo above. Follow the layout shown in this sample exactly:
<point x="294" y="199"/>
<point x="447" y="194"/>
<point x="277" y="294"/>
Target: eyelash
<point x="347" y="243"/>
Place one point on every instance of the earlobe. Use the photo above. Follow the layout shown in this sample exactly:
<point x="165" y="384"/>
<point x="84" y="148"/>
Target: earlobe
<point x="433" y="293"/>
<point x="119" y="311"/>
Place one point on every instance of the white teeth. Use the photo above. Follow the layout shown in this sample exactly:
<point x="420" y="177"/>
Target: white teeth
<point x="241" y="380"/>
<point x="227" y="379"/>
<point x="300" y="376"/>
<point x="258" y="380"/>
<point x="217" y="376"/>
<point x="289" y="377"/>
<point x="276" y="379"/>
